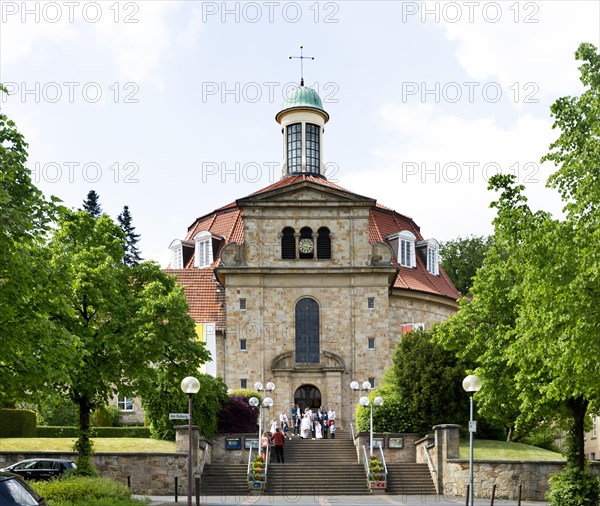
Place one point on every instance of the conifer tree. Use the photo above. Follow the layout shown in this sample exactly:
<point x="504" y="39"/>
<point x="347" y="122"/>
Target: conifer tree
<point x="132" y="252"/>
<point x="92" y="204"/>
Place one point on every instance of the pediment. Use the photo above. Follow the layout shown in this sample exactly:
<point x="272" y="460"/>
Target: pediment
<point x="330" y="362"/>
<point x="303" y="193"/>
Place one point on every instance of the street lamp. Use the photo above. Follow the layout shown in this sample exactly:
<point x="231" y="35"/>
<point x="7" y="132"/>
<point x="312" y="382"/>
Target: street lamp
<point x="471" y="384"/>
<point x="269" y="387"/>
<point x="355" y="385"/>
<point x="364" y="401"/>
<point x="190" y="386"/>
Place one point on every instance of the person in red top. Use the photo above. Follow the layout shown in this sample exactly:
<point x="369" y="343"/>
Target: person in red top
<point x="278" y="442"/>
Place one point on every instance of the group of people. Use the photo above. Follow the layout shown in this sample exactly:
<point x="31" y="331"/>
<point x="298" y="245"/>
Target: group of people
<point x="313" y="423"/>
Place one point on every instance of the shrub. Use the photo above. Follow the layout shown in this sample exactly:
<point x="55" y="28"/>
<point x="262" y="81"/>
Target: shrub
<point x="237" y="416"/>
<point x="574" y="487"/>
<point x="17" y="423"/>
<point x="77" y="489"/>
<point x="105" y="416"/>
<point x="63" y="412"/>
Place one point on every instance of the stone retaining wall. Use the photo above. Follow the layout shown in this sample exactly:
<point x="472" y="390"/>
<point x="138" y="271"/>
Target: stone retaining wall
<point x="149" y="473"/>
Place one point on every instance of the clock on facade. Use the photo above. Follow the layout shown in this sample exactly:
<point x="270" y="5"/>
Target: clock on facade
<point x="306" y="246"/>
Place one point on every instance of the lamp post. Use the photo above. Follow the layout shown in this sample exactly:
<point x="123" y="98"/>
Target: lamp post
<point x="190" y="386"/>
<point x="471" y="384"/>
<point x="269" y="387"/>
<point x="355" y="385"/>
<point x="364" y="401"/>
<point x="267" y="403"/>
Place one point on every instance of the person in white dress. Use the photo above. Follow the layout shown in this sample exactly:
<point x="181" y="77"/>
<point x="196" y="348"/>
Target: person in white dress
<point x="318" y="431"/>
<point x="305" y="426"/>
<point x="273" y="426"/>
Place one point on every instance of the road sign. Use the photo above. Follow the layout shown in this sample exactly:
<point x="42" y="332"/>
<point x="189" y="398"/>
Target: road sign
<point x="179" y="416"/>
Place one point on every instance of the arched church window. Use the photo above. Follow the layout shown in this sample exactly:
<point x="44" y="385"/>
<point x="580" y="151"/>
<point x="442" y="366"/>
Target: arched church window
<point x="313" y="148"/>
<point x="288" y="244"/>
<point x="323" y="244"/>
<point x="294" y="148"/>
<point x="306" y="245"/>
<point x="307" y="331"/>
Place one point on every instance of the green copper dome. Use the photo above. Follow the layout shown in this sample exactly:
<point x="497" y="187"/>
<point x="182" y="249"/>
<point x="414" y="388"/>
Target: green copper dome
<point x="303" y="97"/>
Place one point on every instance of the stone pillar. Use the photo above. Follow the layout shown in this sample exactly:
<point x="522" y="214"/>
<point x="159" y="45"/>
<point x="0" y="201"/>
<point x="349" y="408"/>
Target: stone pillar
<point x="181" y="446"/>
<point x="447" y="443"/>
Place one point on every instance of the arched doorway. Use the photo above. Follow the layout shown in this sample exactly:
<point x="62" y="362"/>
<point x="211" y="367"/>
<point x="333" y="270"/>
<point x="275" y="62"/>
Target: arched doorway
<point x="307" y="396"/>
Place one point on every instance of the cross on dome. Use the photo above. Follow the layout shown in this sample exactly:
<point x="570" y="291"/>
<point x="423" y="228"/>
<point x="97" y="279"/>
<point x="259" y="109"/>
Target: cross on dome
<point x="302" y="58"/>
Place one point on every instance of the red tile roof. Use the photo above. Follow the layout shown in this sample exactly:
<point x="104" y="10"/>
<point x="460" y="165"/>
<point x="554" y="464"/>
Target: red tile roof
<point x="207" y="305"/>
<point x="227" y="222"/>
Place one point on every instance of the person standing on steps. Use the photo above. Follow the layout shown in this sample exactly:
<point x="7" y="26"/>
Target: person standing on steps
<point x="332" y="428"/>
<point x="264" y="445"/>
<point x="324" y="422"/>
<point x="295" y="419"/>
<point x="278" y="442"/>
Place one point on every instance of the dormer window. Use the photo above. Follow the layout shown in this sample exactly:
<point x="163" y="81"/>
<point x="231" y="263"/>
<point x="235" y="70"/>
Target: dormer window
<point x="406" y="249"/>
<point x="204" y="250"/>
<point x="433" y="260"/>
<point x="181" y="252"/>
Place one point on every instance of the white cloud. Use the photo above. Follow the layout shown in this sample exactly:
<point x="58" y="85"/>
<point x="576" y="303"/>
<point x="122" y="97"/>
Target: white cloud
<point x="435" y="166"/>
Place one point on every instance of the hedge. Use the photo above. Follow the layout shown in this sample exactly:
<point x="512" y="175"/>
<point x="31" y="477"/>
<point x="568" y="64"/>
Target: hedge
<point x="135" y="432"/>
<point x="17" y="423"/>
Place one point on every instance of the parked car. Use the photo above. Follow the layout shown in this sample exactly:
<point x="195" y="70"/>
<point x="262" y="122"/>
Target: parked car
<point x="15" y="492"/>
<point x="41" y="469"/>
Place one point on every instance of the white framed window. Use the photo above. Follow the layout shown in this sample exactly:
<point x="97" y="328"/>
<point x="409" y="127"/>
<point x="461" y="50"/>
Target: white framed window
<point x="406" y="249"/>
<point x="125" y="403"/>
<point x="177" y="259"/>
<point x="433" y="258"/>
<point x="203" y="253"/>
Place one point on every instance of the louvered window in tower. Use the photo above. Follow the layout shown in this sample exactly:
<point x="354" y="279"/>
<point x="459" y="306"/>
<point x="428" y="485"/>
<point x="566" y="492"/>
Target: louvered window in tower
<point x="288" y="244"/>
<point x="323" y="244"/>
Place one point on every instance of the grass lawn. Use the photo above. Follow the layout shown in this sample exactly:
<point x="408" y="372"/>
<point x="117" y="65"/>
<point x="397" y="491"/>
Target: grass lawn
<point x="102" y="444"/>
<point x="484" y="449"/>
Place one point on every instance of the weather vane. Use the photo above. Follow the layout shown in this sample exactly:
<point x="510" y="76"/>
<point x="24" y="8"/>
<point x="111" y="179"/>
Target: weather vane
<point x="302" y="58"/>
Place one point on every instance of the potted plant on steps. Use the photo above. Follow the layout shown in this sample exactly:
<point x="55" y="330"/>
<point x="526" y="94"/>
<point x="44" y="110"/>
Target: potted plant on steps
<point x="257" y="478"/>
<point x="377" y="477"/>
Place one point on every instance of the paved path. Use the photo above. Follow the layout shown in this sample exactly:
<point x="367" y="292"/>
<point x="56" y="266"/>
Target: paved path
<point x="366" y="500"/>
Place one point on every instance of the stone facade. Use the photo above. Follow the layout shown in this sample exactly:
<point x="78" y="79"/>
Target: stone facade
<point x="343" y="287"/>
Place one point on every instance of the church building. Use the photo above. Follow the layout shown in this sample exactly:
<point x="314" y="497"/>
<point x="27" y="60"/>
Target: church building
<point x="307" y="284"/>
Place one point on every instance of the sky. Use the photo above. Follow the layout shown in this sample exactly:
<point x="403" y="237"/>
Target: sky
<point x="169" y="107"/>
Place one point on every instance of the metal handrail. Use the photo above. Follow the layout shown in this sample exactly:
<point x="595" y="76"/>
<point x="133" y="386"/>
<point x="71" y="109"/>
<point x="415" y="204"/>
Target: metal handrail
<point x="203" y="463"/>
<point x="366" y="461"/>
<point x="432" y="469"/>
<point x="249" y="459"/>
<point x="385" y="472"/>
<point x="352" y="433"/>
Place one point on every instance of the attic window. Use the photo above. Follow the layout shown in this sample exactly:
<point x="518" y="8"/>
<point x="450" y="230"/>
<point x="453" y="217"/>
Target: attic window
<point x="406" y="249"/>
<point x="181" y="252"/>
<point x="433" y="260"/>
<point x="204" y="251"/>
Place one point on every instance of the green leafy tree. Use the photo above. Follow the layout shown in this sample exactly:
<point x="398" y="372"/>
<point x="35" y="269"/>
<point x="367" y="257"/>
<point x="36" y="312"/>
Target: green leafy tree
<point x="92" y="204"/>
<point x="132" y="252"/>
<point x="125" y="320"/>
<point x="162" y="395"/>
<point x="545" y="283"/>
<point x="422" y="388"/>
<point x="461" y="257"/>
<point x="27" y="287"/>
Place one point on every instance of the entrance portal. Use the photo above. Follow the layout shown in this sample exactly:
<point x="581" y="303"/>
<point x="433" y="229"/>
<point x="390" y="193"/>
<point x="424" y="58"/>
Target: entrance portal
<point x="307" y="396"/>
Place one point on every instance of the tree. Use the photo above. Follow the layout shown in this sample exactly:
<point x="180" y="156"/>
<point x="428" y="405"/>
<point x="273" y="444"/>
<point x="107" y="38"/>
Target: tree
<point x="33" y="348"/>
<point x="422" y="388"/>
<point x="461" y="257"/>
<point x="92" y="204"/>
<point x="125" y="320"/>
<point x="162" y="395"/>
<point x="534" y="310"/>
<point x="132" y="252"/>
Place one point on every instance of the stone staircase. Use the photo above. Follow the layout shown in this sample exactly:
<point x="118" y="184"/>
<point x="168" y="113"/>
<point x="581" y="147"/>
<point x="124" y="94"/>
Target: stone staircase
<point x="409" y="479"/>
<point x="323" y="468"/>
